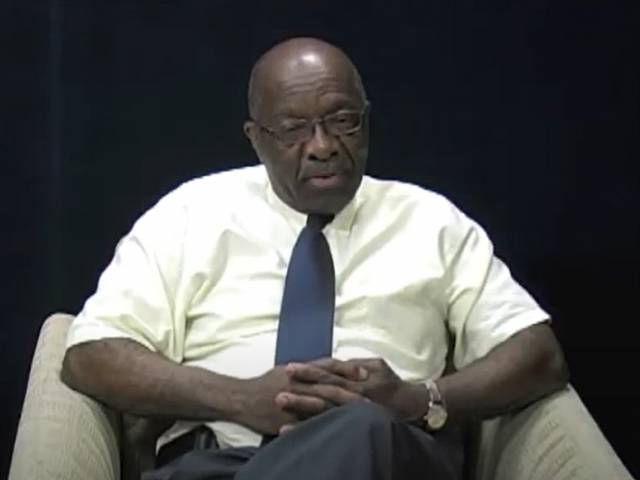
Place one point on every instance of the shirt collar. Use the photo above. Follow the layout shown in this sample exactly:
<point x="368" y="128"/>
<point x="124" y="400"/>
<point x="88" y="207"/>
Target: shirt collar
<point x="342" y="221"/>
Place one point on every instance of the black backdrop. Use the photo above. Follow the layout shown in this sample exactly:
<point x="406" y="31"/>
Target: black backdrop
<point x="523" y="113"/>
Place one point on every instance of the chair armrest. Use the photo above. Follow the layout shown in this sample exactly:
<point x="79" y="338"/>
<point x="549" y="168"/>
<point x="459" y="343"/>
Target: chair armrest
<point x="555" y="438"/>
<point x="62" y="434"/>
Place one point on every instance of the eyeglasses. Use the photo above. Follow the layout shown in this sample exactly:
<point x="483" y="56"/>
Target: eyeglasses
<point x="293" y="132"/>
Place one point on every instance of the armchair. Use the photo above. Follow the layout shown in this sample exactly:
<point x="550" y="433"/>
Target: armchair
<point x="65" y="435"/>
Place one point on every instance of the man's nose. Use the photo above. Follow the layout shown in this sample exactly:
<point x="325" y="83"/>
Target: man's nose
<point x="321" y="146"/>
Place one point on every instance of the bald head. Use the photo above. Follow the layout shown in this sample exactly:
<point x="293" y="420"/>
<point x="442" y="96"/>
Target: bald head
<point x="298" y="56"/>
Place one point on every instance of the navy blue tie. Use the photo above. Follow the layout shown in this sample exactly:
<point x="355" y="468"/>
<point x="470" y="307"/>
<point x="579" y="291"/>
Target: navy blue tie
<point x="305" y="329"/>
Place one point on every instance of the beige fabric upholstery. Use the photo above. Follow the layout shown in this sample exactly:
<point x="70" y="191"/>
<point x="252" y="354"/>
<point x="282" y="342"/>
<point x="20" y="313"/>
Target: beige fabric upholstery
<point x="555" y="438"/>
<point x="64" y="435"/>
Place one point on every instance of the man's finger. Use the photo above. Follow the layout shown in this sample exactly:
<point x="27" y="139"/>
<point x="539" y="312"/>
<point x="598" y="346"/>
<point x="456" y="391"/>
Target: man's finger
<point x="306" y="372"/>
<point x="346" y="369"/>
<point x="286" y="428"/>
<point x="302" y="405"/>
<point x="370" y="364"/>
<point x="330" y="393"/>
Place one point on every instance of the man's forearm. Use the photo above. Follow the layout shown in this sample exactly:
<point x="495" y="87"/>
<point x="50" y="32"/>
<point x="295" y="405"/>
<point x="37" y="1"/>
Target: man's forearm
<point x="524" y="368"/>
<point x="130" y="378"/>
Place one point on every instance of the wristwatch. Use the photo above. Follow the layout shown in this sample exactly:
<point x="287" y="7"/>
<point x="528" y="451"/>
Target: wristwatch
<point x="436" y="415"/>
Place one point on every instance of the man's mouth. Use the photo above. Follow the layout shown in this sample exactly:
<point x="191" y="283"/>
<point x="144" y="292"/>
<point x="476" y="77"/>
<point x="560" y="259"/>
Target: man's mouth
<point x="327" y="180"/>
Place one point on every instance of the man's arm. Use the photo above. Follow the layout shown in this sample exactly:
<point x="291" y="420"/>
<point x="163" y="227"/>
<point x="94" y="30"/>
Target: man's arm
<point x="128" y="377"/>
<point x="525" y="367"/>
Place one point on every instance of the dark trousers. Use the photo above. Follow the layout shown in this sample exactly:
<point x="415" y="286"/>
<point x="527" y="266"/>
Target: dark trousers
<point x="359" y="441"/>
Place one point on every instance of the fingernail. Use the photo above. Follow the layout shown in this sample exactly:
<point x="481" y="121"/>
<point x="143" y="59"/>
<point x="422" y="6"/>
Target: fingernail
<point x="362" y="373"/>
<point x="285" y="428"/>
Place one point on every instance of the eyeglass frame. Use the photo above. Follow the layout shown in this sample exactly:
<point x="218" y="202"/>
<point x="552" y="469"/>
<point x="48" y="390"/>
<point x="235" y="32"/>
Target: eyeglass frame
<point x="313" y="123"/>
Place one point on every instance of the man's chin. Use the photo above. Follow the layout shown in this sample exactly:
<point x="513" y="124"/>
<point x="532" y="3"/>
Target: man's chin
<point x="327" y="202"/>
<point x="326" y="195"/>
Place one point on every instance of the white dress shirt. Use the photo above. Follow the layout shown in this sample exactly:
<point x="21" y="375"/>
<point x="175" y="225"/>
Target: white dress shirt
<point x="199" y="279"/>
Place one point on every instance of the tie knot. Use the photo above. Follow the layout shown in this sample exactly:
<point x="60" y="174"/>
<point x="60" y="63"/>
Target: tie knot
<point x="317" y="222"/>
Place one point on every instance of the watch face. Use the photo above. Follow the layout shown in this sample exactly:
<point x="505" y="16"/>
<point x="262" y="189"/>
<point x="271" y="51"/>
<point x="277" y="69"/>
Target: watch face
<point x="437" y="417"/>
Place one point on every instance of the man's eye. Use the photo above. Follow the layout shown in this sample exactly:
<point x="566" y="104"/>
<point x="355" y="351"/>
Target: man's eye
<point x="291" y="127"/>
<point x="345" y="120"/>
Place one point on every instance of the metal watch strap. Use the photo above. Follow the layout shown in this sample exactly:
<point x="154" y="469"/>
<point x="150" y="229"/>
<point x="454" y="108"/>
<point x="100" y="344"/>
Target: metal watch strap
<point x="434" y="392"/>
<point x="436" y="415"/>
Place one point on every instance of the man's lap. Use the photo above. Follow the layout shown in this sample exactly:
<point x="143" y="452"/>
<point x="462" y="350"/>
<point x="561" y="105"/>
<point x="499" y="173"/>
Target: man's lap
<point x="360" y="440"/>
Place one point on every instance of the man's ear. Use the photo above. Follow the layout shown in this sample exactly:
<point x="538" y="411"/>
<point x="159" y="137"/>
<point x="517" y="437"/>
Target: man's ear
<point x="250" y="131"/>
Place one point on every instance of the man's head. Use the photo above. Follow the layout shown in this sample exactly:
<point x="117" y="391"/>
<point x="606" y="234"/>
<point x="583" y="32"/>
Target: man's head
<point x="309" y="124"/>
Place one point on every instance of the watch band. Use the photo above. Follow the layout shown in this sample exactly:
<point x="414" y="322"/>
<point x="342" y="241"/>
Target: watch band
<point x="434" y="392"/>
<point x="436" y="415"/>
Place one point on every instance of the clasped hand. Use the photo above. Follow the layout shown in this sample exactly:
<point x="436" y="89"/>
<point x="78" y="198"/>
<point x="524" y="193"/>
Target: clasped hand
<point x="288" y="394"/>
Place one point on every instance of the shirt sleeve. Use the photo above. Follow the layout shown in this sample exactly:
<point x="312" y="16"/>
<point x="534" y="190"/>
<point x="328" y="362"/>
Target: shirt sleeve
<point x="136" y="294"/>
<point x="486" y="305"/>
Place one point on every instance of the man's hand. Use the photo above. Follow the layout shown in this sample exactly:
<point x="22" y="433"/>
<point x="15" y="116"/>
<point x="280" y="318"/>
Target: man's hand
<point x="257" y="408"/>
<point x="338" y="382"/>
<point x="269" y="402"/>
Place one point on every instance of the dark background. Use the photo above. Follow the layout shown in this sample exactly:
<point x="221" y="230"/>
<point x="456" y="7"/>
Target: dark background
<point x="526" y="114"/>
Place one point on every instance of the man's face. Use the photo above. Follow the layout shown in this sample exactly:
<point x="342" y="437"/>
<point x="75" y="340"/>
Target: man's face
<point x="322" y="173"/>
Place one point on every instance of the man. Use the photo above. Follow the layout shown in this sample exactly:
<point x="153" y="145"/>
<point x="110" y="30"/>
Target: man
<point x="184" y="324"/>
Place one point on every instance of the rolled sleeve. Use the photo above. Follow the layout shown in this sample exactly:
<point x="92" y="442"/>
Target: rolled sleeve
<point x="136" y="294"/>
<point x="486" y="305"/>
